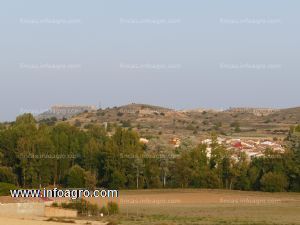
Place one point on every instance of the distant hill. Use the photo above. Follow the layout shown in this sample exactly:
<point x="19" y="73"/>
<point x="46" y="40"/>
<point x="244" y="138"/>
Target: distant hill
<point x="162" y="124"/>
<point x="290" y="115"/>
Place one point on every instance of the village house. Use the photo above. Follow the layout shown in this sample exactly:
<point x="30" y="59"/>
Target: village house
<point x="144" y="141"/>
<point x="175" y="142"/>
<point x="251" y="147"/>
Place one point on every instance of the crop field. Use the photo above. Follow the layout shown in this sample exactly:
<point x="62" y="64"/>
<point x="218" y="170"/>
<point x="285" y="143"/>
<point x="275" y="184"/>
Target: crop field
<point x="190" y="206"/>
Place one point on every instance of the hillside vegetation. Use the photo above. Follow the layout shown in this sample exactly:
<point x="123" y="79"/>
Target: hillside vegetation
<point x="161" y="124"/>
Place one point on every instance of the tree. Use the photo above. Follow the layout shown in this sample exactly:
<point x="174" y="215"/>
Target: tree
<point x="236" y="126"/>
<point x="25" y="149"/>
<point x="293" y="165"/>
<point x="7" y="175"/>
<point x="76" y="177"/>
<point x="90" y="180"/>
<point x="152" y="174"/>
<point x="138" y="165"/>
<point x="118" y="180"/>
<point x="90" y="152"/>
<point x="183" y="172"/>
<point x="240" y="171"/>
<point x="5" y="188"/>
<point x="219" y="161"/>
<point x="199" y="165"/>
<point x="273" y="182"/>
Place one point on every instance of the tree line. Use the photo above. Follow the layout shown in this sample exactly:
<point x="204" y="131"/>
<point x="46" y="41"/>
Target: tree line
<point x="35" y="154"/>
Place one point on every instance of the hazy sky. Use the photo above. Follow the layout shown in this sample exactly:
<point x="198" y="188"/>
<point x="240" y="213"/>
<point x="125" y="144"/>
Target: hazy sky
<point x="178" y="54"/>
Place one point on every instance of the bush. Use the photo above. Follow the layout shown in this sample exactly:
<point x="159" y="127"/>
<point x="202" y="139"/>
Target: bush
<point x="104" y="210"/>
<point x="112" y="208"/>
<point x="5" y="188"/>
<point x="273" y="182"/>
<point x="93" y="209"/>
<point x="120" y="114"/>
<point x="297" y="128"/>
<point x="77" y="123"/>
<point x="237" y="129"/>
<point x="54" y="204"/>
<point x="267" y="121"/>
<point x="83" y="207"/>
<point x="126" y="123"/>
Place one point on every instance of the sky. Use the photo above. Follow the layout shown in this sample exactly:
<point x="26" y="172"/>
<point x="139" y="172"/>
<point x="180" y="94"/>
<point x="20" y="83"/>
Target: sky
<point x="178" y="54"/>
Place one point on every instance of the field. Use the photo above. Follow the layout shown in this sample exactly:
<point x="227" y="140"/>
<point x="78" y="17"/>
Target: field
<point x="190" y="207"/>
<point x="186" y="206"/>
<point x="43" y="221"/>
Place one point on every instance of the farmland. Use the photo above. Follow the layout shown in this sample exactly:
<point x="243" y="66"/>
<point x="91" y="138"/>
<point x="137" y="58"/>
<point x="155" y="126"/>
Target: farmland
<point x="202" y="206"/>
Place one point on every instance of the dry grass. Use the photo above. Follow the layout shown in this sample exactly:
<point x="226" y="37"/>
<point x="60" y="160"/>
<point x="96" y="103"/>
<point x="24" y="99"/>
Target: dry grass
<point x="157" y="207"/>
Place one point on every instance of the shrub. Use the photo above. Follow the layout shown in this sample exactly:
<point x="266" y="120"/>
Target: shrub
<point x="104" y="210"/>
<point x="83" y="207"/>
<point x="237" y="129"/>
<point x="126" y="123"/>
<point x="267" y="121"/>
<point x="120" y="114"/>
<point x="190" y="127"/>
<point x="77" y="123"/>
<point x="113" y="208"/>
<point x="92" y="209"/>
<point x="100" y="114"/>
<point x="297" y="128"/>
<point x="54" y="204"/>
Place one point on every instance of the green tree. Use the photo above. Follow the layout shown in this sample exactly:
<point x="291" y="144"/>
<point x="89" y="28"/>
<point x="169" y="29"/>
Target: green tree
<point x="273" y="182"/>
<point x="90" y="180"/>
<point x="76" y="177"/>
<point x="7" y="175"/>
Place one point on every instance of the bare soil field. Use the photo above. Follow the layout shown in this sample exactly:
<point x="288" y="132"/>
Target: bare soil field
<point x="190" y="206"/>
